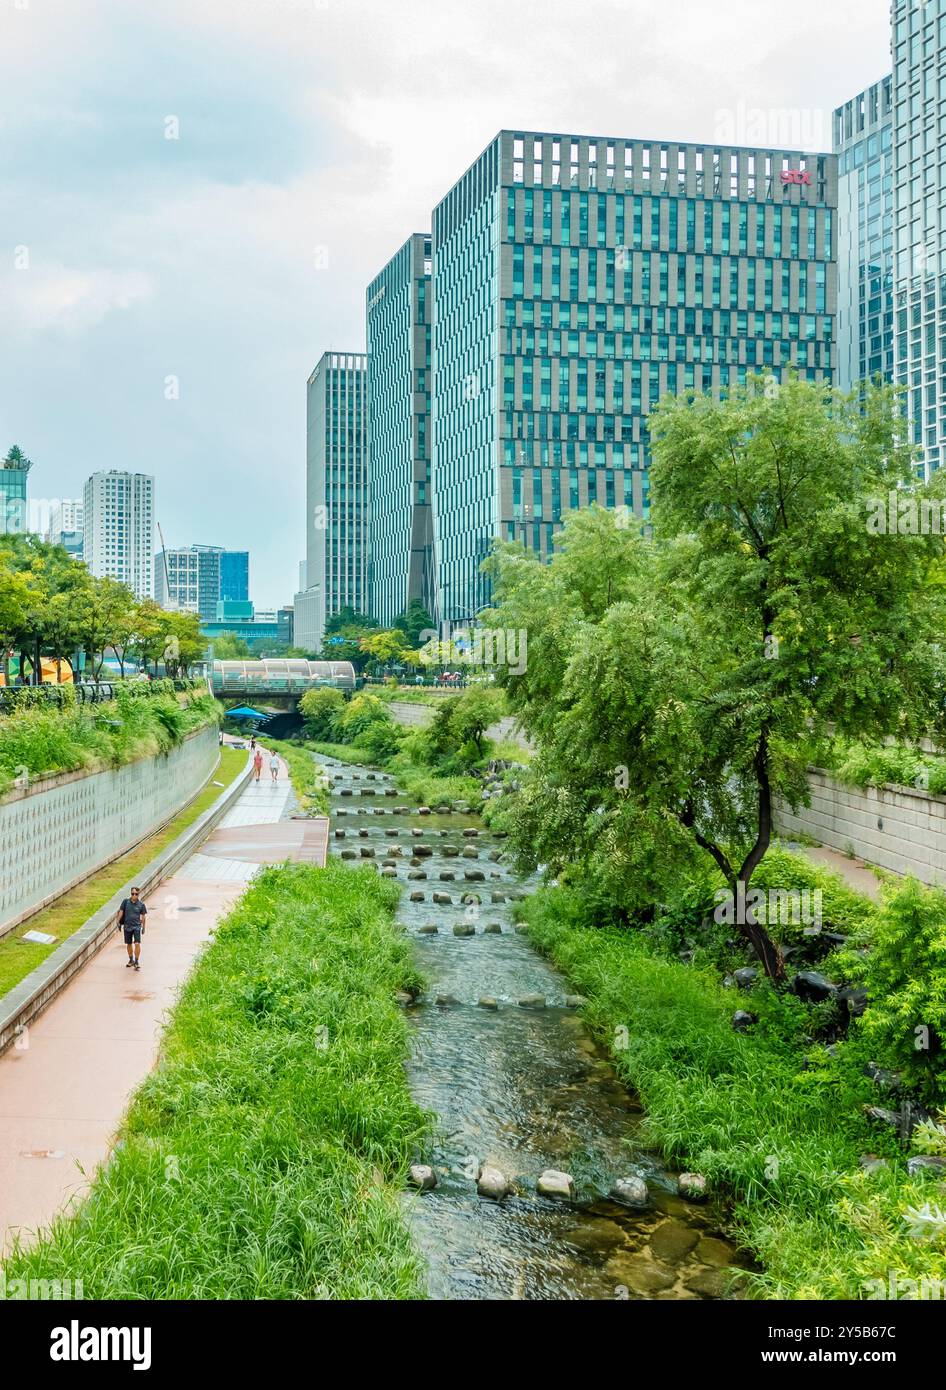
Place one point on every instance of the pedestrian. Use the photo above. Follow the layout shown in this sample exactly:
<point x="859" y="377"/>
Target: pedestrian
<point x="131" y="917"/>
<point x="274" y="766"/>
<point x="258" y="763"/>
<point x="253" y="742"/>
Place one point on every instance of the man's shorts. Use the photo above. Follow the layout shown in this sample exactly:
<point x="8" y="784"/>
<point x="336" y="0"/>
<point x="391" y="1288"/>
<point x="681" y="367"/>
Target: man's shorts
<point x="132" y="934"/>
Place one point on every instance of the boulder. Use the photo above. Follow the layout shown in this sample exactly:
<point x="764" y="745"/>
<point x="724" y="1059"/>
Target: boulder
<point x="741" y="1020"/>
<point x="854" y="1000"/>
<point x="813" y="987"/>
<point x="926" y="1163"/>
<point x="553" y="1183"/>
<point x="693" y="1186"/>
<point x="490" y="1182"/>
<point x="882" y="1116"/>
<point x="746" y="976"/>
<point x="631" y="1192"/>
<point x="886" y="1080"/>
<point x="871" y="1163"/>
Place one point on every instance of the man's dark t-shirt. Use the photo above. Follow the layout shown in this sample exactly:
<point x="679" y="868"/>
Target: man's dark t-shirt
<point x="133" y="913"/>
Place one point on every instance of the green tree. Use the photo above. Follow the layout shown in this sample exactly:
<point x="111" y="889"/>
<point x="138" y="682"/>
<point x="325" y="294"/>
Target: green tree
<point x="677" y="688"/>
<point x="227" y="646"/>
<point x="320" y="707"/>
<point x="413" y="621"/>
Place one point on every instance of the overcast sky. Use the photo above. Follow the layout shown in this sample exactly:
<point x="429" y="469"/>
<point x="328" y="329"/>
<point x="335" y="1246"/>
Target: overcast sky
<point x="313" y="137"/>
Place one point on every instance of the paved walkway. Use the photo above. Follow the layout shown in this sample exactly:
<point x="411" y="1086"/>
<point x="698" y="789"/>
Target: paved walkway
<point x="855" y="872"/>
<point x="63" y="1095"/>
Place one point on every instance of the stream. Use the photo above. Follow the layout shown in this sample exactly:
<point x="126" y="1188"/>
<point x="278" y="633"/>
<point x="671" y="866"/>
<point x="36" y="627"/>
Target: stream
<point x="523" y="1088"/>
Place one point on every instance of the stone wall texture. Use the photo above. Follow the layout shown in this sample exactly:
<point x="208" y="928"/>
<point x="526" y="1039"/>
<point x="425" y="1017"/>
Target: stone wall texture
<point x="58" y="831"/>
<point x="898" y="828"/>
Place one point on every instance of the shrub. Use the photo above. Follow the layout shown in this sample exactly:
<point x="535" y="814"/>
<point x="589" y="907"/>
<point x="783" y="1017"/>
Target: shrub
<point x="319" y="707"/>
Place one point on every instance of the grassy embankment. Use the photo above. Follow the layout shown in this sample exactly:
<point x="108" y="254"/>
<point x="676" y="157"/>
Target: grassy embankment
<point x="264" y="1155"/>
<point x="769" y="1115"/>
<point x="39" y="740"/>
<point x="419" y="782"/>
<point x="67" y="915"/>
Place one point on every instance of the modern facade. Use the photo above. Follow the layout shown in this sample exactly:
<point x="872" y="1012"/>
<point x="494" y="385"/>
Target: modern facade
<point x="235" y="574"/>
<point x="919" y="177"/>
<point x="336" y="495"/>
<point x="576" y="280"/>
<point x="14" y="507"/>
<point x="862" y="141"/>
<point x="118" y="528"/>
<point x="400" y="538"/>
<point x="188" y="579"/>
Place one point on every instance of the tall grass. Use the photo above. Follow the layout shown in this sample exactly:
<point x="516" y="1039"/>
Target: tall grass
<point x="40" y="740"/>
<point x="263" y="1157"/>
<point x="768" y="1116"/>
<point x="305" y="774"/>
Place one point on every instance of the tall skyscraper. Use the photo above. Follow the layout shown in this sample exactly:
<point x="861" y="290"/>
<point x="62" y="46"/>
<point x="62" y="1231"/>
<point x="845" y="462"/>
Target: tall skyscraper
<point x="578" y="279"/>
<point x="118" y="530"/>
<point x="400" y="539"/>
<point x="864" y="146"/>
<point x="336" y="495"/>
<point x="919" y="133"/>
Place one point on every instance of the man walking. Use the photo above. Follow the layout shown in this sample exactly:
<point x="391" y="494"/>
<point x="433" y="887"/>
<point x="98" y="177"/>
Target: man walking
<point x="258" y="764"/>
<point x="131" y="917"/>
<point x="274" y="766"/>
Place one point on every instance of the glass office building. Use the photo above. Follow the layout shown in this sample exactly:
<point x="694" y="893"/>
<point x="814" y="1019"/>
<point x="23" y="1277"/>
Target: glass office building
<point x="576" y="281"/>
<point x="13" y="499"/>
<point x="864" y="146"/>
<point x="235" y="575"/>
<point x="919" y="141"/>
<point x="336" y="495"/>
<point x="399" y="549"/>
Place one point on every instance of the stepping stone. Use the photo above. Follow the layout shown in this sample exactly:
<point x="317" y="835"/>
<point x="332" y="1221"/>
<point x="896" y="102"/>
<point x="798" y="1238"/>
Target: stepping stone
<point x="392" y="832"/>
<point x="363" y="834"/>
<point x="532" y="1001"/>
<point x="416" y="831"/>
<point x="423" y="1177"/>
<point x="366" y="852"/>
<point x="416" y="873"/>
<point x="632" y="1192"/>
<point x="463" y="928"/>
<point x="490" y="1182"/>
<point x="446" y="875"/>
<point x="470" y="832"/>
<point x="450" y="851"/>
<point x="493" y="929"/>
<point x="446" y="999"/>
<point x="496" y="897"/>
<point x="486" y="1001"/>
<point x="423" y="851"/>
<point x="389" y="871"/>
<point x="339" y="834"/>
<point x="470" y="853"/>
<point x="442" y="898"/>
<point x="553" y="1183"/>
<point x="348" y="854"/>
<point x="575" y="1001"/>
<point x="423" y="810"/>
<point x="692" y="1186"/>
<point x="428" y="929"/>
<point x="474" y="876"/>
<point x="417" y="897"/>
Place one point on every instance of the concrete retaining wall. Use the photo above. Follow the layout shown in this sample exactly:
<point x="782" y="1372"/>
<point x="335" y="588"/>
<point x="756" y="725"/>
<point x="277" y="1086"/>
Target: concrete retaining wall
<point x="31" y="996"/>
<point x="59" y="830"/>
<point x="898" y="828"/>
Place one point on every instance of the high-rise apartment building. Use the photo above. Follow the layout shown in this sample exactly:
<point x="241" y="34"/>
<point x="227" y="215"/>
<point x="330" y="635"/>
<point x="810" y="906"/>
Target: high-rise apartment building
<point x="336" y="495"/>
<point x="864" y="146"/>
<point x="118" y="528"/>
<point x="919" y="137"/>
<point x="400" y="540"/>
<point x="578" y="279"/>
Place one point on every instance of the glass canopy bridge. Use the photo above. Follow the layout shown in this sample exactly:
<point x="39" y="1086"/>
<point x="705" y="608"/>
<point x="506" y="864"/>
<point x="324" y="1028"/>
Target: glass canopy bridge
<point x="279" y="678"/>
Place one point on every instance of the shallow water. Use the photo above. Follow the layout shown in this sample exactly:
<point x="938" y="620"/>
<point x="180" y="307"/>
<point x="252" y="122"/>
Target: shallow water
<point x="524" y="1089"/>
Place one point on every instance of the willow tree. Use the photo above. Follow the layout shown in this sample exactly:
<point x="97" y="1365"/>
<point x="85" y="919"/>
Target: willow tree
<point x="678" y="686"/>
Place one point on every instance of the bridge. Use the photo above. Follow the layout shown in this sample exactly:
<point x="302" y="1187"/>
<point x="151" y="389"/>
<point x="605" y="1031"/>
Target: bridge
<point x="285" y="680"/>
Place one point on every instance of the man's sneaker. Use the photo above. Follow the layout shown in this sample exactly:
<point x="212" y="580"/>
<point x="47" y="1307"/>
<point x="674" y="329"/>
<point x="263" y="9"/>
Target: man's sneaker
<point x="129" y="962"/>
<point x="137" y="966"/>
